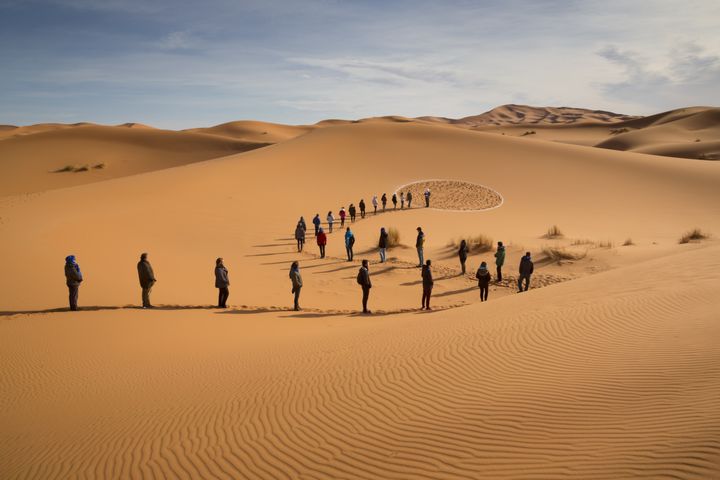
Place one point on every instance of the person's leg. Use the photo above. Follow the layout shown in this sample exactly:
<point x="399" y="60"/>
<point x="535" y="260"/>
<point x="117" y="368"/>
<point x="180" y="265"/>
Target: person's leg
<point x="424" y="297"/>
<point x="73" y="297"/>
<point x="499" y="273"/>
<point x="487" y="290"/>
<point x="366" y="294"/>
<point x="352" y="255"/>
<point x="427" y="301"/>
<point x="297" y="298"/>
<point x="220" y="297"/>
<point x="520" y="279"/>
<point x="462" y="266"/>
<point x="226" y="296"/>
<point x="527" y="282"/>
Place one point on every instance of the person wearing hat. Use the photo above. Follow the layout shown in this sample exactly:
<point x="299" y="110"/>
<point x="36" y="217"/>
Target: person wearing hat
<point x="483" y="278"/>
<point x="73" y="279"/>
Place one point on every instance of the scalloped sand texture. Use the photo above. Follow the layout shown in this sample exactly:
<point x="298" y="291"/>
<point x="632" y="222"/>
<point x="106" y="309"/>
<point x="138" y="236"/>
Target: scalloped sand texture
<point x="453" y="195"/>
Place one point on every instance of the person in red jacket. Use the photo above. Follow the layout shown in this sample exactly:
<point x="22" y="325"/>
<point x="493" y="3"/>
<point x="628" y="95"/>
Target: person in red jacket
<point x="342" y="217"/>
<point x="322" y="241"/>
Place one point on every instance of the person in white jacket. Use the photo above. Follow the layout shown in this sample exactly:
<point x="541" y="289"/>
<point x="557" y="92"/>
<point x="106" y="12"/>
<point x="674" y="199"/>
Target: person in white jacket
<point x="374" y="204"/>
<point x="330" y="221"/>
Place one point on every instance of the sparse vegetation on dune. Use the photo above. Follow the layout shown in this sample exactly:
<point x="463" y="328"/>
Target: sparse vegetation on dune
<point x="81" y="168"/>
<point x="476" y="244"/>
<point x="553" y="232"/>
<point x="628" y="242"/>
<point x="558" y="254"/>
<point x="605" y="244"/>
<point x="393" y="237"/>
<point x="528" y="132"/>
<point x="617" y="131"/>
<point x="99" y="166"/>
<point x="694" y="235"/>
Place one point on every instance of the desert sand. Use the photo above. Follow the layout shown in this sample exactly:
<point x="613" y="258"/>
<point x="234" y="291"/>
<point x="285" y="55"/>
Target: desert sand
<point x="607" y="368"/>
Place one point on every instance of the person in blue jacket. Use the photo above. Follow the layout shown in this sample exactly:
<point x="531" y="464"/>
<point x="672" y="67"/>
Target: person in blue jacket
<point x="73" y="279"/>
<point x="349" y="242"/>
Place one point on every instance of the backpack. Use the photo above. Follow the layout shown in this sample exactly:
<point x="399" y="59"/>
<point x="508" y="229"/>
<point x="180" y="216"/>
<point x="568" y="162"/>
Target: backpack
<point x="360" y="276"/>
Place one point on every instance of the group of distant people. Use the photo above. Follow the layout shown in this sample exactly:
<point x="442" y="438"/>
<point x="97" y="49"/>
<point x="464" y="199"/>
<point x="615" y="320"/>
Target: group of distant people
<point x="146" y="275"/>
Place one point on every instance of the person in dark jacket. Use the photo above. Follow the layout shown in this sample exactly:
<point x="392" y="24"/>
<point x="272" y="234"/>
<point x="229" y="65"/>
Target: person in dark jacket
<point x="297" y="283"/>
<point x="322" y="241"/>
<point x="427" y="282"/>
<point x="222" y="282"/>
<point x="73" y="279"/>
<point x="349" y="243"/>
<point x="526" y="269"/>
<point x="402" y="201"/>
<point x="300" y="236"/>
<point x="409" y="199"/>
<point x="483" y="278"/>
<point x="427" y="197"/>
<point x="419" y="246"/>
<point x="500" y="260"/>
<point x="462" y="254"/>
<point x="353" y="212"/>
<point x="316" y="223"/>
<point x="342" y="218"/>
<point x="302" y="222"/>
<point x="362" y="208"/>
<point x="382" y="244"/>
<point x="147" y="279"/>
<point x="363" y="278"/>
<point x="383" y="199"/>
<point x="394" y="200"/>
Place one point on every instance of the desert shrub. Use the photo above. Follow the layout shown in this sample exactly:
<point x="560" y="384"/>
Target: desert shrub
<point x="99" y="166"/>
<point x="697" y="140"/>
<point x="84" y="168"/>
<point x="528" y="132"/>
<point x="617" y="131"/>
<point x="628" y="242"/>
<point x="553" y="232"/>
<point x="558" y="254"/>
<point x="478" y="243"/>
<point x="393" y="237"/>
<point x="582" y="241"/>
<point x="66" y="168"/>
<point x="693" y="235"/>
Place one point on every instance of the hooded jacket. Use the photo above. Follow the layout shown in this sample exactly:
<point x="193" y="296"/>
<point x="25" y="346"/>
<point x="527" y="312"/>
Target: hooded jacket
<point x="526" y="266"/>
<point x="299" y="232"/>
<point x="349" y="239"/>
<point x="483" y="277"/>
<point x="427" y="278"/>
<point x="321" y="238"/>
<point x="73" y="276"/>
<point x="500" y="256"/>
<point x="316" y="220"/>
<point x="364" y="278"/>
<point x="221" y="277"/>
<point x="463" y="252"/>
<point x="383" y="239"/>
<point x="296" y="279"/>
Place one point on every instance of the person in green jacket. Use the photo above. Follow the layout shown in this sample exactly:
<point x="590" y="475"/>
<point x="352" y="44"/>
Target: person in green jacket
<point x="500" y="260"/>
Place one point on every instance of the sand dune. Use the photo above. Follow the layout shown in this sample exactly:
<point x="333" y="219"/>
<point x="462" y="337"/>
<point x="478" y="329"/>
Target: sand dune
<point x="607" y="368"/>
<point x="251" y="131"/>
<point x="30" y="163"/>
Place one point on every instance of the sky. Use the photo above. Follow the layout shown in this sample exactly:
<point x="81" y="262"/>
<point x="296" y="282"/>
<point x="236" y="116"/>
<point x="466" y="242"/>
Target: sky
<point x="182" y="63"/>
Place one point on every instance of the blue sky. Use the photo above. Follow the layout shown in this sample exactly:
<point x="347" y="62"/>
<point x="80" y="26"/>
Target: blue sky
<point x="181" y="64"/>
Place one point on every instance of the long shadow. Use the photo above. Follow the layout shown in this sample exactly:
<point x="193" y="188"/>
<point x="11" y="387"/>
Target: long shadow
<point x="98" y="308"/>
<point x="268" y="245"/>
<point x="455" y="292"/>
<point x="269" y="254"/>
<point x="346" y="267"/>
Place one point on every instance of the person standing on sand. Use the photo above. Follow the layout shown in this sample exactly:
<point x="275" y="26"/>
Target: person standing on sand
<point x="300" y="236"/>
<point x="297" y="284"/>
<point x="222" y="282"/>
<point x="374" y="204"/>
<point x="362" y="208"/>
<point x="73" y="279"/>
<point x="462" y="254"/>
<point x="402" y="201"/>
<point x="500" y="260"/>
<point x="409" y="199"/>
<point x="483" y="278"/>
<point x="316" y="222"/>
<point x="394" y="200"/>
<point x="322" y="241"/>
<point x="330" y="221"/>
<point x="382" y="244"/>
<point x="427" y="282"/>
<point x="526" y="269"/>
<point x="384" y="201"/>
<point x="342" y="217"/>
<point x="352" y="211"/>
<point x="427" y="197"/>
<point x="363" y="279"/>
<point x="419" y="245"/>
<point x="349" y="242"/>
<point x="147" y="279"/>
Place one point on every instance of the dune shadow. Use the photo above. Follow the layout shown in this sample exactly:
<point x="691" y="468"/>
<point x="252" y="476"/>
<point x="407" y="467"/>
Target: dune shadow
<point x="99" y="308"/>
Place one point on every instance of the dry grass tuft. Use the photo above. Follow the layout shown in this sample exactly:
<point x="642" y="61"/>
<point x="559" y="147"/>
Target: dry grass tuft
<point x="528" y="132"/>
<point x="99" y="166"/>
<point x="628" y="242"/>
<point x="582" y="241"/>
<point x="393" y="237"/>
<point x="476" y="244"/>
<point x="553" y="232"/>
<point x="694" y="235"/>
<point x="558" y="254"/>
<point x="605" y="244"/>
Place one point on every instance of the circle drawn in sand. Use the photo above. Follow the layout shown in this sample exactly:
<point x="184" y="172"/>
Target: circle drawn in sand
<point x="453" y="195"/>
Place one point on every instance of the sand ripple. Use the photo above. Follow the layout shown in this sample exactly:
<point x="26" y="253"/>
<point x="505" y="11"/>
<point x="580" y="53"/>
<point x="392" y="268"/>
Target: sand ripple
<point x="454" y="195"/>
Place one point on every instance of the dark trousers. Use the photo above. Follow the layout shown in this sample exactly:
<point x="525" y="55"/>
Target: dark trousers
<point x="146" y="296"/>
<point x="317" y="229"/>
<point x="296" y="291"/>
<point x="322" y="251"/>
<point x="223" y="294"/>
<point x="300" y="243"/>
<point x="342" y="222"/>
<point x="349" y="251"/>
<point x="427" y="202"/>
<point x="362" y="213"/>
<point x="483" y="293"/>
<point x="366" y="296"/>
<point x="499" y="273"/>
<point x="73" y="296"/>
<point x="409" y="203"/>
<point x="427" y="291"/>
<point x="352" y="217"/>
<point x="462" y="264"/>
<point x="526" y="278"/>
